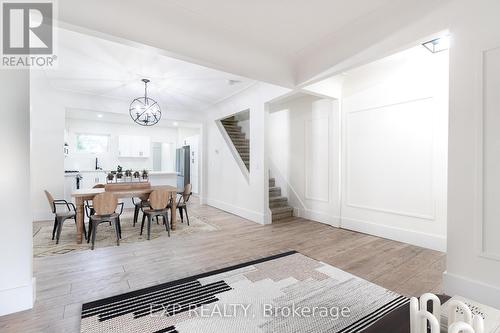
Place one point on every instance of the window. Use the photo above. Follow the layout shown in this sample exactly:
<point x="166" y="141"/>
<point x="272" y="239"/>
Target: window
<point x="92" y="143"/>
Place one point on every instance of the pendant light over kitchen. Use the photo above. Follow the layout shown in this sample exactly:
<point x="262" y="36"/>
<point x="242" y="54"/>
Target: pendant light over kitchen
<point x="145" y="111"/>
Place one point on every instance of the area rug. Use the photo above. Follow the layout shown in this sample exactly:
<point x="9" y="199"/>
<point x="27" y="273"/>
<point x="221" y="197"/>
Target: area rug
<point x="288" y="292"/>
<point x="43" y="245"/>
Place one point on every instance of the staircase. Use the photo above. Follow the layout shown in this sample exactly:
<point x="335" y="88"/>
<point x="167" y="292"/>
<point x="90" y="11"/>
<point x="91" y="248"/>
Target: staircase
<point x="278" y="204"/>
<point x="240" y="142"/>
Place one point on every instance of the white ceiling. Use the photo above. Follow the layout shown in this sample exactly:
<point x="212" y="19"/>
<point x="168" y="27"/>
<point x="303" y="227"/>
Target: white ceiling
<point x="285" y="42"/>
<point x="99" y="67"/>
<point x="284" y="27"/>
<point x="121" y="118"/>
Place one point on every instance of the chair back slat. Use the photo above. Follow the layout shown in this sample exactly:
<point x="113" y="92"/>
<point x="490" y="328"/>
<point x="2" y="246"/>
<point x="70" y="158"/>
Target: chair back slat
<point x="105" y="203"/>
<point x="158" y="199"/>
<point x="50" y="198"/>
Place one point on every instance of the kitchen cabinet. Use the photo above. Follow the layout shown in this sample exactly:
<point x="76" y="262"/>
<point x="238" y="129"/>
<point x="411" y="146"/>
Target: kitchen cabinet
<point x="134" y="146"/>
<point x="92" y="178"/>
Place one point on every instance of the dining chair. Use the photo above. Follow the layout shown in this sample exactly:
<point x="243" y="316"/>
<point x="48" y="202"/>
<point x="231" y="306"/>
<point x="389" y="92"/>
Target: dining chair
<point x="140" y="203"/>
<point x="158" y="202"/>
<point x="89" y="209"/>
<point x="183" y="200"/>
<point x="61" y="216"/>
<point x="105" y="206"/>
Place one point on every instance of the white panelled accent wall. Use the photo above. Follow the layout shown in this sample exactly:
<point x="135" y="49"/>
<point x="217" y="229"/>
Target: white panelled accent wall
<point x="473" y="262"/>
<point x="395" y="148"/>
<point x="304" y="147"/>
<point x="376" y="164"/>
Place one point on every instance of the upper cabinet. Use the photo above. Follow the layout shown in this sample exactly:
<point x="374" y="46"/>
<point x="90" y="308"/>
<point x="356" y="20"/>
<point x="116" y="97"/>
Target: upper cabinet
<point x="134" y="146"/>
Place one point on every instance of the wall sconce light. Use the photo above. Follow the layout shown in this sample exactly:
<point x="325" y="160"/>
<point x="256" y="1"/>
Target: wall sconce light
<point x="438" y="44"/>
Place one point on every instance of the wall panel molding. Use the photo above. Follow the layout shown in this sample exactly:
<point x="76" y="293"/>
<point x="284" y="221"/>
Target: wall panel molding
<point x="347" y="169"/>
<point x="480" y="204"/>
<point x="311" y="165"/>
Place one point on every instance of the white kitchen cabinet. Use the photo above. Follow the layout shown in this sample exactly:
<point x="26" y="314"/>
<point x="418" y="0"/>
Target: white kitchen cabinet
<point x="134" y="146"/>
<point x="90" y="179"/>
<point x="69" y="186"/>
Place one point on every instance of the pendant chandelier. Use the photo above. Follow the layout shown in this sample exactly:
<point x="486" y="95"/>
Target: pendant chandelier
<point x="145" y="111"/>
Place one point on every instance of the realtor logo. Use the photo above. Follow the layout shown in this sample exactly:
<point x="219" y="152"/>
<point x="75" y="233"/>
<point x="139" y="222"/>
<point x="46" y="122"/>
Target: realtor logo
<point x="27" y="34"/>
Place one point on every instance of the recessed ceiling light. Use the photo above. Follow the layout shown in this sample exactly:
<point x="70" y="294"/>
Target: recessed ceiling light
<point x="175" y="123"/>
<point x="99" y="115"/>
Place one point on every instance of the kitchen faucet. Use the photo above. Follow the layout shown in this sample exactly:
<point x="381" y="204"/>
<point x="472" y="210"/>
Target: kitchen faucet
<point x="97" y="167"/>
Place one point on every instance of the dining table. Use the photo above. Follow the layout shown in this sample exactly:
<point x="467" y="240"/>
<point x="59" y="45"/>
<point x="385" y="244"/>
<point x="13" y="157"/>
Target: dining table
<point x="82" y="195"/>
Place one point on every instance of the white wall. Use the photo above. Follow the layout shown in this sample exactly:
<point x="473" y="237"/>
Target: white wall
<point x="109" y="160"/>
<point x="16" y="277"/>
<point x="473" y="262"/>
<point x="304" y="153"/>
<point x="184" y="133"/>
<point x="395" y="148"/>
<point x="226" y="186"/>
<point x="47" y="139"/>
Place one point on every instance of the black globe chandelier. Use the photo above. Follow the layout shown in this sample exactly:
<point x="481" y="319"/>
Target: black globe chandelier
<point x="145" y="111"/>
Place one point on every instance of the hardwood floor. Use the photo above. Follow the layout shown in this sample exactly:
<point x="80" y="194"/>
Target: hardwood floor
<point x="65" y="282"/>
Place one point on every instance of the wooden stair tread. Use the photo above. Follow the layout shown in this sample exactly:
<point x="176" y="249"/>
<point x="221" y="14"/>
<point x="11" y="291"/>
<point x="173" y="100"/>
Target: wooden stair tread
<point x="280" y="210"/>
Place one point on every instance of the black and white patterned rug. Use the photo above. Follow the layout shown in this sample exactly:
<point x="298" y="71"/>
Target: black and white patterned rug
<point x="288" y="292"/>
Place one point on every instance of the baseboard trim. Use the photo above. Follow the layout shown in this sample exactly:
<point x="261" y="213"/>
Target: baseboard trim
<point x="17" y="299"/>
<point x="475" y="290"/>
<point x="421" y="239"/>
<point x="312" y="215"/>
<point x="240" y="211"/>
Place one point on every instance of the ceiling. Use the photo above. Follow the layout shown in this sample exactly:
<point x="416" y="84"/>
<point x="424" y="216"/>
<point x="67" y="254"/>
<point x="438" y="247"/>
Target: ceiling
<point x="100" y="67"/>
<point x="121" y="118"/>
<point x="285" y="42"/>
<point x="283" y="27"/>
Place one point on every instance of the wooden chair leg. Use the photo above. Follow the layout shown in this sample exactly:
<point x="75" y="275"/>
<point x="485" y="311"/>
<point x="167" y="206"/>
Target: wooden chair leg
<point x="149" y="226"/>
<point x="142" y="224"/>
<point x="55" y="228"/>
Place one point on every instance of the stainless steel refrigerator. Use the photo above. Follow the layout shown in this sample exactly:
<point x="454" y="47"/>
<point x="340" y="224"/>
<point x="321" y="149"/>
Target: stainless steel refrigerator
<point x="182" y="167"/>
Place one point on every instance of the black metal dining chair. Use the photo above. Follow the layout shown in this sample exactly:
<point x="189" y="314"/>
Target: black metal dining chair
<point x="60" y="216"/>
<point x="89" y="208"/>
<point x="158" y="206"/>
<point x="183" y="200"/>
<point x="138" y="204"/>
<point x="105" y="206"/>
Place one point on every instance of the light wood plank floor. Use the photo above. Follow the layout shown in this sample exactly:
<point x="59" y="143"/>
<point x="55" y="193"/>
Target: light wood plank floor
<point x="65" y="282"/>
